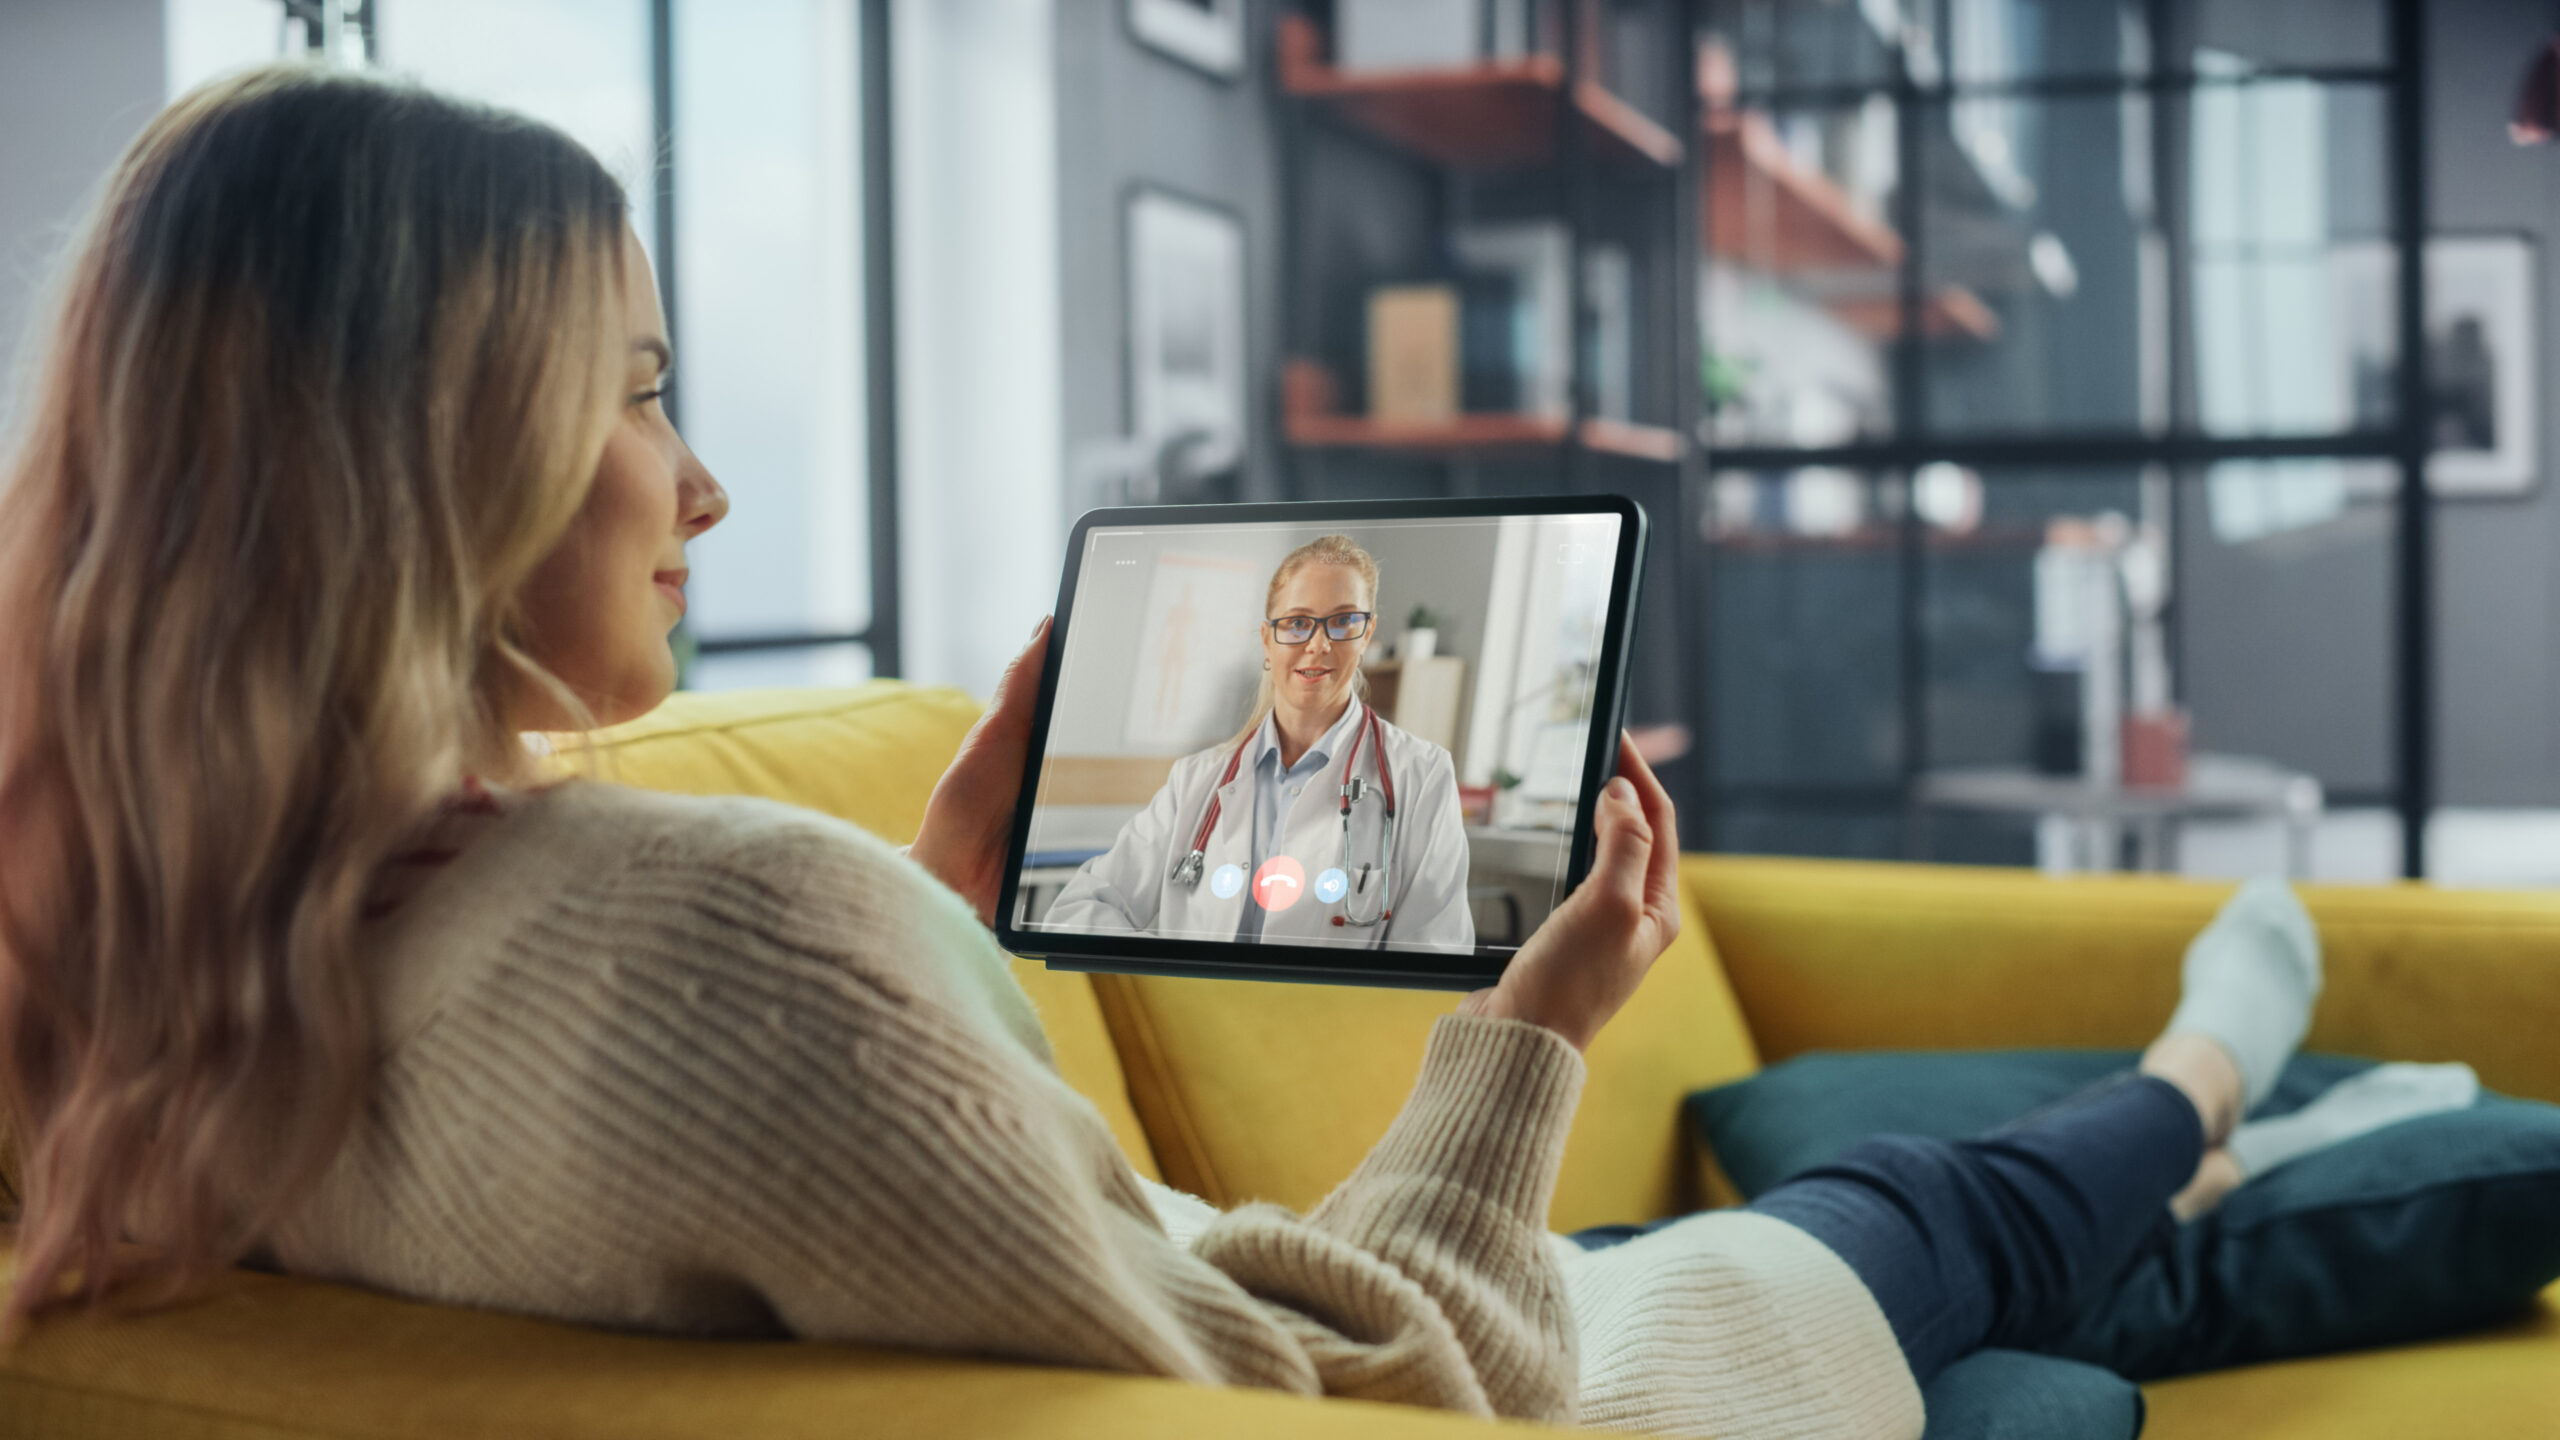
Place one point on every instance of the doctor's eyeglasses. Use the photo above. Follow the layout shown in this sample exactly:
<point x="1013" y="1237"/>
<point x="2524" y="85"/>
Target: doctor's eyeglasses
<point x="1299" y="629"/>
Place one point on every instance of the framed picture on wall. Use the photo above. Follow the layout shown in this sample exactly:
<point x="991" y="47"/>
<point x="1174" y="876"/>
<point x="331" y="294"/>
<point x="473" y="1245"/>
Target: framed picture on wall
<point x="2481" y="351"/>
<point x="1204" y="34"/>
<point x="1186" y="299"/>
<point x="2480" y="354"/>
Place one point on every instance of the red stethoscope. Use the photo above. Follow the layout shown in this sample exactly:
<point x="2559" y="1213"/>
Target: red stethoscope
<point x="1186" y="871"/>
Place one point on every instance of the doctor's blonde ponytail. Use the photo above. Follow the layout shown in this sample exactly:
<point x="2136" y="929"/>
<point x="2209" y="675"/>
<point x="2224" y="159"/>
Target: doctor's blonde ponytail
<point x="1323" y="550"/>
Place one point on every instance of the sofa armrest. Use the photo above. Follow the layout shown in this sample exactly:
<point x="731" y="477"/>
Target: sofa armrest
<point x="1843" y="955"/>
<point x="266" y="1358"/>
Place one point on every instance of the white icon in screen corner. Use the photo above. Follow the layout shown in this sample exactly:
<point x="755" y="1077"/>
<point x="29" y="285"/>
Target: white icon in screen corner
<point x="1227" y="881"/>
<point x="1330" y="886"/>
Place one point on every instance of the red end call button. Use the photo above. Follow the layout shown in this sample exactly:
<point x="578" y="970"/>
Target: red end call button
<point x="1279" y="883"/>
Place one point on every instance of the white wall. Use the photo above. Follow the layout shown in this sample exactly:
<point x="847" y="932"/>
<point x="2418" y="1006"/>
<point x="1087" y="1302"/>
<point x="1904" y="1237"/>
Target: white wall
<point x="982" y="524"/>
<point x="1104" y="668"/>
<point x="1448" y="566"/>
<point x="1131" y="116"/>
<point x="77" y="81"/>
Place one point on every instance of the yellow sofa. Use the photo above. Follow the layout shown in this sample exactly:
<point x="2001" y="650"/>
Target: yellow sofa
<point x="1275" y="1091"/>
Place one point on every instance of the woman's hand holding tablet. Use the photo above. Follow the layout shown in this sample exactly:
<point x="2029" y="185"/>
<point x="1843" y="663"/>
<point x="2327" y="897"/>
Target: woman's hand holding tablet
<point x="970" y="817"/>
<point x="1593" y="952"/>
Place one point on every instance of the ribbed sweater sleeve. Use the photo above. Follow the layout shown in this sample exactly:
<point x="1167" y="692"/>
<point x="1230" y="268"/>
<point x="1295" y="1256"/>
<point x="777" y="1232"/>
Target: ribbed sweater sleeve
<point x="773" y="1075"/>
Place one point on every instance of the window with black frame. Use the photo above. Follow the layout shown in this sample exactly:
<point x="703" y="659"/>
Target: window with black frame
<point x="747" y="134"/>
<point x="2056" y="433"/>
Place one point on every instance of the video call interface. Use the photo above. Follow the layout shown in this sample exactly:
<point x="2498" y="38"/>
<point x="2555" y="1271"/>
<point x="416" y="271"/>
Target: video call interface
<point x="1368" y="736"/>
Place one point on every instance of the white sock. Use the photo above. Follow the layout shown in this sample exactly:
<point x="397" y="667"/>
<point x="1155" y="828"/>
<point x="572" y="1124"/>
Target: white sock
<point x="2383" y="1095"/>
<point x="2250" y="979"/>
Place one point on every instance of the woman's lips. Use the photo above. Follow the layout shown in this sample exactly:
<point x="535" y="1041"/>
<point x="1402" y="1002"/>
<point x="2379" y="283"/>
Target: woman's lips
<point x="1312" y="675"/>
<point x="670" y="583"/>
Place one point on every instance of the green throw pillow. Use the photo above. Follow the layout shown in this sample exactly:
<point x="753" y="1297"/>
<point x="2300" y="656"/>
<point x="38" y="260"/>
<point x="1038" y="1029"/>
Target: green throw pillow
<point x="2420" y="1229"/>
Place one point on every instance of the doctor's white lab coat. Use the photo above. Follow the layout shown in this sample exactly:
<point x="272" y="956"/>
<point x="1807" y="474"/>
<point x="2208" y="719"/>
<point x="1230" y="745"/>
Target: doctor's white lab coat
<point x="1128" y="887"/>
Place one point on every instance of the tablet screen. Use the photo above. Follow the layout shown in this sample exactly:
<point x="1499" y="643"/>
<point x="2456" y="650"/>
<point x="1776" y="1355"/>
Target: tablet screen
<point x="1368" y="735"/>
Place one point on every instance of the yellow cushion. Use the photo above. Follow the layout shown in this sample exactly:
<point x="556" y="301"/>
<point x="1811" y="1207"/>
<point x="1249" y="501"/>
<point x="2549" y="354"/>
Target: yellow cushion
<point x="1833" y="955"/>
<point x="261" y="1358"/>
<point x="869" y="754"/>
<point x="2503" y="1383"/>
<point x="1275" y="1092"/>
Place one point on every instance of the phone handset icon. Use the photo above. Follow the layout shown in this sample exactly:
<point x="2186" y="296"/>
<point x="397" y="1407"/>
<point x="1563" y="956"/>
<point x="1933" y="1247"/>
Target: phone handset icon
<point x="1279" y="883"/>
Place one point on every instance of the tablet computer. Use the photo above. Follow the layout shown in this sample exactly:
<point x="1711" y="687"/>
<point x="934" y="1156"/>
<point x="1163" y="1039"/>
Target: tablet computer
<point x="1348" y="743"/>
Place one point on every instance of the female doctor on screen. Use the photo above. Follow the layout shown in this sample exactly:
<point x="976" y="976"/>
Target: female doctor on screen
<point x="1320" y="824"/>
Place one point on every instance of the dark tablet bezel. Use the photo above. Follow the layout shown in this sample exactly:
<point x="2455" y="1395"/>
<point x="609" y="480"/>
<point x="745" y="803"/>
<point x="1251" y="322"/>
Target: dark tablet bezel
<point x="1319" y="964"/>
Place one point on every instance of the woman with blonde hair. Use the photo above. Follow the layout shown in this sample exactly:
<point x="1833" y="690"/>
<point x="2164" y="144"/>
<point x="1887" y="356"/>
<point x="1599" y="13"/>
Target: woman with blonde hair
<point x="332" y="369"/>
<point x="346" y="468"/>
<point x="1284" y="832"/>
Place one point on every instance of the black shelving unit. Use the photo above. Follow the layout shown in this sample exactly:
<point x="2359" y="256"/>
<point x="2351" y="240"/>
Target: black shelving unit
<point x="1378" y="169"/>
<point x="1803" y="60"/>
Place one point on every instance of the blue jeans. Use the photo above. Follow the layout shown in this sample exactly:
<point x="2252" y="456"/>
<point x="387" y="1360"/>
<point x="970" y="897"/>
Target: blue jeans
<point x="2001" y="1239"/>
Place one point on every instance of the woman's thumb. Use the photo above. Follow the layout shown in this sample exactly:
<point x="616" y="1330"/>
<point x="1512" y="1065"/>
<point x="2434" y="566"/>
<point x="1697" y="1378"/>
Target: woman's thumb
<point x="1020" y="683"/>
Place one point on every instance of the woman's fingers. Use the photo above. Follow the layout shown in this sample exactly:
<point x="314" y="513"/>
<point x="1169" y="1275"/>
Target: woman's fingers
<point x="969" y="817"/>
<point x="1594" y="951"/>
<point x="1619" y="859"/>
<point x="1662" y="879"/>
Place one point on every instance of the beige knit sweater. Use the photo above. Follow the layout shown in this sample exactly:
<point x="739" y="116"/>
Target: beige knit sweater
<point x="724" y="1066"/>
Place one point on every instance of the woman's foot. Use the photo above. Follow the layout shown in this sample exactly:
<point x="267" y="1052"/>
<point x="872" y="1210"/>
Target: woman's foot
<point x="2248" y="987"/>
<point x="2250" y="981"/>
<point x="2359" y="1105"/>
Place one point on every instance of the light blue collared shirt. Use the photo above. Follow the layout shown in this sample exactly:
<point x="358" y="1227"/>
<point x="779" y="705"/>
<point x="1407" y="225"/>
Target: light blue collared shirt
<point x="1276" y="790"/>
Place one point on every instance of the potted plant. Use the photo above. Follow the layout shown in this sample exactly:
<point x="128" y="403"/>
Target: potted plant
<point x="1421" y="639"/>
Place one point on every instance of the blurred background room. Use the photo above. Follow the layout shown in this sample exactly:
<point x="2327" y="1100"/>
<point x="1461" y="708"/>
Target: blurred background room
<point x="2088" y="434"/>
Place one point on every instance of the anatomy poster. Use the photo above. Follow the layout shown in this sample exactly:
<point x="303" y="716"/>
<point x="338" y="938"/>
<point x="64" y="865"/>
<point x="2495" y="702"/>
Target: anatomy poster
<point x="1198" y="654"/>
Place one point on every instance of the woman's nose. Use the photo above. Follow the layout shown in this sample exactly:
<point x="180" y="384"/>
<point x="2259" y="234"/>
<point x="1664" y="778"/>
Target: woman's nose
<point x="702" y="503"/>
<point x="1319" y="642"/>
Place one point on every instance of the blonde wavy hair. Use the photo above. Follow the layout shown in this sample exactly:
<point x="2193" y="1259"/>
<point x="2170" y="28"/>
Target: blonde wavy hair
<point x="331" y="368"/>
<point x="1323" y="550"/>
